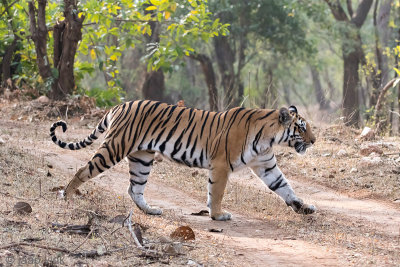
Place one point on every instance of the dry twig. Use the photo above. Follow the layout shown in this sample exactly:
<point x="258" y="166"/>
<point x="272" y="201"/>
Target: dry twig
<point x="133" y="233"/>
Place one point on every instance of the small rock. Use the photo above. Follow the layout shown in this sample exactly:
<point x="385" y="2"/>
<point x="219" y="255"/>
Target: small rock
<point x="2" y="141"/>
<point x="353" y="170"/>
<point x="22" y="207"/>
<point x="367" y="134"/>
<point x="342" y="169"/>
<point x="195" y="173"/>
<point x="101" y="250"/>
<point x="43" y="99"/>
<point x="341" y="153"/>
<point x="331" y="176"/>
<point x="192" y="262"/>
<point x="184" y="233"/>
<point x="366" y="151"/>
<point x="397" y="200"/>
<point x="119" y="219"/>
<point x="172" y="249"/>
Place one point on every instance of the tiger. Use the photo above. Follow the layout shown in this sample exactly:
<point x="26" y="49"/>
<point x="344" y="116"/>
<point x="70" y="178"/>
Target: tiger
<point x="222" y="142"/>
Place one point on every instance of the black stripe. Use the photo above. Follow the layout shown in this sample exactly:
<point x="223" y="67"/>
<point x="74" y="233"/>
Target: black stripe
<point x="256" y="139"/>
<point x="204" y="124"/>
<point x="270" y="169"/>
<point x="133" y="173"/>
<point x="266" y="115"/>
<point x="90" y="167"/>
<point x="276" y="184"/>
<point x="144" y="163"/>
<point x="133" y="183"/>
<point x="211" y="182"/>
<point x="268" y="159"/>
<point x="193" y="148"/>
<point x="102" y="160"/>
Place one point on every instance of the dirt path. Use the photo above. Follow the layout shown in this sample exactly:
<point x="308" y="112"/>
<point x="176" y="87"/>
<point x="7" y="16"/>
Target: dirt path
<point x="385" y="217"/>
<point x="256" y="242"/>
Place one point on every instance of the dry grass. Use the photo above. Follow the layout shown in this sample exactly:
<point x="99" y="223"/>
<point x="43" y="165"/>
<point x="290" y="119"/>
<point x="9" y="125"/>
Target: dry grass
<point x="29" y="178"/>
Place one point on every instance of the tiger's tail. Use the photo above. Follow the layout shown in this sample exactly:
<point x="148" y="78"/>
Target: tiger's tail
<point x="100" y="128"/>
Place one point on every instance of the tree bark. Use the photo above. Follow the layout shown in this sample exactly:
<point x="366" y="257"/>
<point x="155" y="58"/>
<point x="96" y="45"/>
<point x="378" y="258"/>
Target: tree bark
<point x="353" y="56"/>
<point x="5" y="73"/>
<point x="67" y="35"/>
<point x="154" y="85"/>
<point x="319" y="93"/>
<point x="5" y="70"/>
<point x="381" y="21"/>
<point x="209" y="75"/>
<point x="225" y="60"/>
<point x="39" y="36"/>
<point x="350" y="89"/>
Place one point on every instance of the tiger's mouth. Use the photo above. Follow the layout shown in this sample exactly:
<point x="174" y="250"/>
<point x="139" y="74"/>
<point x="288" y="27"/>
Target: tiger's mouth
<point x="301" y="147"/>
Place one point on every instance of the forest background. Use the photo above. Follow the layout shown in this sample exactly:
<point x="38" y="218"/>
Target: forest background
<point x="340" y="57"/>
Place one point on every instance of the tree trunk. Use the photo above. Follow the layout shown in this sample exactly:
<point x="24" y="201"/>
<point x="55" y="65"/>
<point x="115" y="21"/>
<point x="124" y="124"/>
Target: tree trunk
<point x="209" y="75"/>
<point x="225" y="59"/>
<point x="67" y="35"/>
<point x="323" y="103"/>
<point x="5" y="65"/>
<point x="39" y="36"/>
<point x="350" y="88"/>
<point x="381" y="21"/>
<point x="352" y="54"/>
<point x="154" y="85"/>
<point x="5" y="73"/>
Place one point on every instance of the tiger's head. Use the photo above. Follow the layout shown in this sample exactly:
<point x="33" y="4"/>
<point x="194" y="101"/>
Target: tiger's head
<point x="298" y="133"/>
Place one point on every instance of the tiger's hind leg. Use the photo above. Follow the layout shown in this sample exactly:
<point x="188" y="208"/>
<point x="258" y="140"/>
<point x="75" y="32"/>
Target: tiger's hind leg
<point x="101" y="161"/>
<point x="140" y="163"/>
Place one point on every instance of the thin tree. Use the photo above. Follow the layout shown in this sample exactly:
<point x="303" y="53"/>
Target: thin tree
<point x="352" y="54"/>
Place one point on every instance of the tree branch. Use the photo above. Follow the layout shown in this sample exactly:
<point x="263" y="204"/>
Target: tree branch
<point x="361" y="13"/>
<point x="350" y="8"/>
<point x="8" y="7"/>
<point x="378" y="106"/>
<point x="337" y="10"/>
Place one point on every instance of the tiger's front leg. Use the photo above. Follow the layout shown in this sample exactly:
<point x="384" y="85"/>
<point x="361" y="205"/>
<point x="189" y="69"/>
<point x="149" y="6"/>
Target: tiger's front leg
<point x="139" y="169"/>
<point x="216" y="187"/>
<point x="272" y="176"/>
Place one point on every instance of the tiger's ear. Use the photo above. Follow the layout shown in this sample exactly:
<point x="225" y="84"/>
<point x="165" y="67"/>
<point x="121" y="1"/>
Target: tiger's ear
<point x="284" y="117"/>
<point x="293" y="109"/>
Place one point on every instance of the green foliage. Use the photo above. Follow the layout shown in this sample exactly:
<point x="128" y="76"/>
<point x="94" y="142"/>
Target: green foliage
<point x="106" y="98"/>
<point x="111" y="27"/>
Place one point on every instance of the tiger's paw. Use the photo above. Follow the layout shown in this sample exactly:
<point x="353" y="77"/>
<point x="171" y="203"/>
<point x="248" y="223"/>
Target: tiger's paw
<point x="224" y="216"/>
<point x="301" y="208"/>
<point x="153" y="211"/>
<point x="307" y="209"/>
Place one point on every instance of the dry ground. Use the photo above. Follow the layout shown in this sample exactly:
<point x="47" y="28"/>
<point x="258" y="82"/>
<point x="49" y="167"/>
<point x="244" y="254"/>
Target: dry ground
<point x="357" y="222"/>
